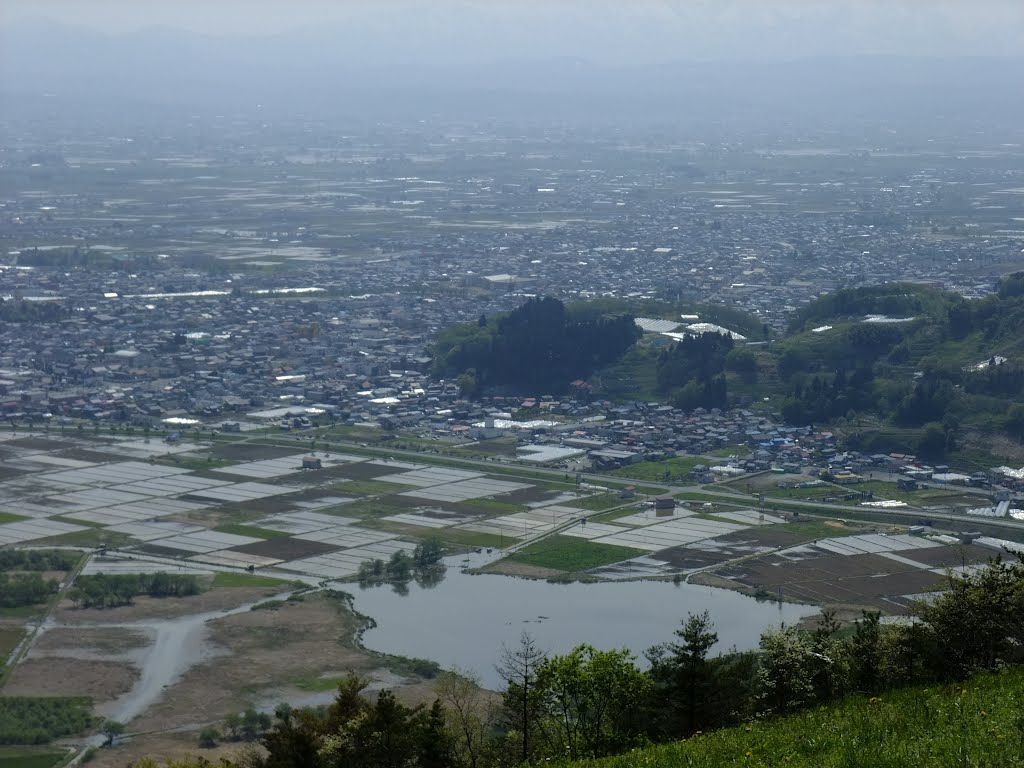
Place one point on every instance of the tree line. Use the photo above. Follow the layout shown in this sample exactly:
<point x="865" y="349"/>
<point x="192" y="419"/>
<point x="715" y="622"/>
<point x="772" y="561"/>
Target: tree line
<point x="423" y="564"/>
<point x="37" y="560"/>
<point x="109" y="591"/>
<point x="40" y="720"/>
<point x="593" y="703"/>
<point x="21" y="589"/>
<point x="692" y="371"/>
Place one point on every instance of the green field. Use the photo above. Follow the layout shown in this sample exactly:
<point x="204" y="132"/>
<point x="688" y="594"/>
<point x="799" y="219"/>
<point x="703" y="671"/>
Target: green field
<point x="371" y="487"/>
<point x="567" y="553"/>
<point x="815" y="493"/>
<point x="90" y="538"/>
<point x="186" y="461"/>
<point x="10" y="517"/>
<point x="739" y="451"/>
<point x="246" y="580"/>
<point x="26" y="757"/>
<point x="319" y="684"/>
<point x="975" y="724"/>
<point x="9" y="639"/>
<point x="884" y="490"/>
<point x="251" y="531"/>
<point x="600" y="502"/>
<point x="669" y="469"/>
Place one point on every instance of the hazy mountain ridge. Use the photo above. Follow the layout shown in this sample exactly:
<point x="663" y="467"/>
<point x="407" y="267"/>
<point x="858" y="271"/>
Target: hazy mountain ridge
<point x="363" y="57"/>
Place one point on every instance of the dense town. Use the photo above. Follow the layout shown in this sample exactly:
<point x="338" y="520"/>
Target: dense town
<point x="411" y="391"/>
<point x="325" y="312"/>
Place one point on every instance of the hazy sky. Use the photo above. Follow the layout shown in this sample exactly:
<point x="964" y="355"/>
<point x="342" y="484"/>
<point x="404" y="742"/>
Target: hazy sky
<point x="596" y="28"/>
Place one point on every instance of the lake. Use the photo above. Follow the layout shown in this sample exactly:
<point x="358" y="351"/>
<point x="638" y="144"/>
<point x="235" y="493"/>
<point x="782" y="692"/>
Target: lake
<point x="465" y="620"/>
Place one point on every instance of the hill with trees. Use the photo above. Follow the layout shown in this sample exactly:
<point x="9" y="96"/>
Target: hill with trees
<point x="540" y="347"/>
<point x="906" y="359"/>
<point x="891" y="367"/>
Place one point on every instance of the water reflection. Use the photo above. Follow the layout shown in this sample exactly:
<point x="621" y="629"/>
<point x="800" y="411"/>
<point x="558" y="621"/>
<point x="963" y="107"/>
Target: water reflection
<point x="425" y="578"/>
<point x="462" y="620"/>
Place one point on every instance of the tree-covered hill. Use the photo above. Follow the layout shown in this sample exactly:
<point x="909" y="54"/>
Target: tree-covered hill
<point x="538" y="348"/>
<point x="949" y="363"/>
<point x="893" y="366"/>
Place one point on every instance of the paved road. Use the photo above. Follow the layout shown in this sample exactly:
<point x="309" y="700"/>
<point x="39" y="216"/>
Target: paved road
<point x="909" y="515"/>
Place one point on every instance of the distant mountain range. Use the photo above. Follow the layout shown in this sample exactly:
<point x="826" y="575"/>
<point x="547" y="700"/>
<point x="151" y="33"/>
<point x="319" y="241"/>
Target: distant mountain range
<point x="180" y="66"/>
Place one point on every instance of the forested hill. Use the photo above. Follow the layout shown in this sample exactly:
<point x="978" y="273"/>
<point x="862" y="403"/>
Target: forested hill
<point x="908" y="357"/>
<point x="541" y="347"/>
<point x="892" y="366"/>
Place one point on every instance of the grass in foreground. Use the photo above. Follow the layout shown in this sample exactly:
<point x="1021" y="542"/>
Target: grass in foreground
<point x="246" y="580"/>
<point x="26" y="757"/>
<point x="977" y="724"/>
<point x="567" y="553"/>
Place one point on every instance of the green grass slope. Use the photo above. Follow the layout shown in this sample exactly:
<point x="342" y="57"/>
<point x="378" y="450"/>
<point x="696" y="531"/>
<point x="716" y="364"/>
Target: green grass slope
<point x="979" y="723"/>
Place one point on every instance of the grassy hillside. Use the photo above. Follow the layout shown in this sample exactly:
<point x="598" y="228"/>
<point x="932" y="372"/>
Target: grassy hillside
<point x="980" y="723"/>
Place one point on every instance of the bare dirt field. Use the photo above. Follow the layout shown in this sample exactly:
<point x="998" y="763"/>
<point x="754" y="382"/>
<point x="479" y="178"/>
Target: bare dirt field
<point x="866" y="580"/>
<point x="252" y="452"/>
<point x="357" y="471"/>
<point x="286" y="548"/>
<point x="66" y="676"/>
<point x="997" y="445"/>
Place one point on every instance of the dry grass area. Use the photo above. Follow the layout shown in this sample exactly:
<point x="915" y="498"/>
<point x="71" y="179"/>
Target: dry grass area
<point x="145" y="608"/>
<point x="997" y="445"/>
<point x="105" y="640"/>
<point x="263" y="650"/>
<point x="259" y="657"/>
<point x="161" y="747"/>
<point x="66" y="676"/>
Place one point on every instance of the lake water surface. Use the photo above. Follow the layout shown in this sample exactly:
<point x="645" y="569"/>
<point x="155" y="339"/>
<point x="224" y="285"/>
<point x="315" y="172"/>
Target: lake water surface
<point x="465" y="620"/>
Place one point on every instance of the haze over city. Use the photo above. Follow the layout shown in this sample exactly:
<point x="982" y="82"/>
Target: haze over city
<point x="376" y="374"/>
